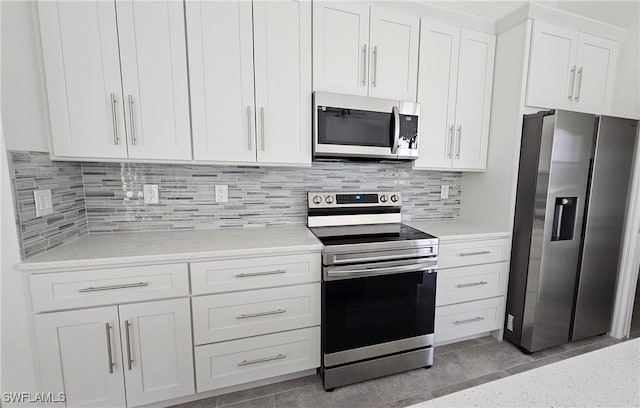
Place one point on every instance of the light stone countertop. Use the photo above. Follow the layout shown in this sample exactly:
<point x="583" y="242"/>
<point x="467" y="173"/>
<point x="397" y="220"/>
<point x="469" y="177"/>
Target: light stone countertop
<point x="609" y="377"/>
<point x="96" y="250"/>
<point x="459" y="229"/>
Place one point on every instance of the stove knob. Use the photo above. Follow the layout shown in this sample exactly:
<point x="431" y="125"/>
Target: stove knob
<point x="383" y="198"/>
<point x="394" y="198"/>
<point x="317" y="200"/>
<point x="329" y="200"/>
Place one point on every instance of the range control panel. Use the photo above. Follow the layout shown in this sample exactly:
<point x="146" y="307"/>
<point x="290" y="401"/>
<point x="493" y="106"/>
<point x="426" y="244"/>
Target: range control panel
<point x="323" y="199"/>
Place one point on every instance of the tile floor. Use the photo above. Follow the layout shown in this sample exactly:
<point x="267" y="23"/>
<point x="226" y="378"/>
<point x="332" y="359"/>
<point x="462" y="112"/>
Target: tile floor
<point x="456" y="367"/>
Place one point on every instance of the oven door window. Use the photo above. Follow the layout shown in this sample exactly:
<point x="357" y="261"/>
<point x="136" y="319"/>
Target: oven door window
<point x="353" y="127"/>
<point x="372" y="310"/>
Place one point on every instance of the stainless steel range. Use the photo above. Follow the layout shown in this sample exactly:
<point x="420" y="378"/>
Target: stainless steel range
<point x="378" y="289"/>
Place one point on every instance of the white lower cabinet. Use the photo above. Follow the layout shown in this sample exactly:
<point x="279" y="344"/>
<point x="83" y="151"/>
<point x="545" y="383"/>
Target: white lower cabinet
<point x="91" y="354"/>
<point x="466" y="319"/>
<point x="239" y="361"/>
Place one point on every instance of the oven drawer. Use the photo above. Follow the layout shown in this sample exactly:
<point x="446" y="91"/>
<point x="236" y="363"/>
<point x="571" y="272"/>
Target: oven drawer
<point x="466" y="319"/>
<point x="240" y="361"/>
<point x="67" y="290"/>
<point x="456" y="285"/>
<point x="230" y="315"/>
<point x="254" y="273"/>
<point x="466" y="253"/>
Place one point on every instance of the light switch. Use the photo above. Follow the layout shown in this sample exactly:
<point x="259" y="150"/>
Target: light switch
<point x="444" y="191"/>
<point x="222" y="193"/>
<point x="150" y="193"/>
<point x="44" y="203"/>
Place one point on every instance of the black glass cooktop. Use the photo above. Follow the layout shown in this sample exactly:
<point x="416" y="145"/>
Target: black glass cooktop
<point x="362" y="234"/>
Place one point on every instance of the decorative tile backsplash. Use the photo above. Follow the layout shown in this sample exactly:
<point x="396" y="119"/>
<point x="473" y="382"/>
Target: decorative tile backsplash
<point x="258" y="196"/>
<point x="34" y="171"/>
<point x="107" y="197"/>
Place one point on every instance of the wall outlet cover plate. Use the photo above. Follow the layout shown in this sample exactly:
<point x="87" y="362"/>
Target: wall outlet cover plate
<point x="151" y="194"/>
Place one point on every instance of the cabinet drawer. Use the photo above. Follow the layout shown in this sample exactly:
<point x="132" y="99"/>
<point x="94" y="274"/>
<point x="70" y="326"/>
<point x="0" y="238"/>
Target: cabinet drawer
<point x="240" y="361"/>
<point x="67" y="290"/>
<point x="254" y="273"/>
<point x="466" y="319"/>
<point x="473" y="252"/>
<point x="230" y="316"/>
<point x="468" y="283"/>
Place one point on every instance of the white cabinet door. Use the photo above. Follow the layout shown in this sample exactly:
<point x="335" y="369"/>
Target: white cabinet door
<point x="552" y="67"/>
<point x="220" y="37"/>
<point x="82" y="69"/>
<point x="437" y="81"/>
<point x="154" y="79"/>
<point x="157" y="350"/>
<point x="393" y="68"/>
<point x="596" y="67"/>
<point x="340" y="47"/>
<point x="473" y="101"/>
<point x="282" y="49"/>
<point x="79" y="353"/>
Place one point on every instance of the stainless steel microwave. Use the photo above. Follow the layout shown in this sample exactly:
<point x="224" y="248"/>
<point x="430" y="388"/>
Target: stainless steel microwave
<point x="361" y="127"/>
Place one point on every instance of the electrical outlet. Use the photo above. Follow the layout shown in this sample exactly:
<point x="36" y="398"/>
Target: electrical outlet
<point x="44" y="203"/>
<point x="444" y="191"/>
<point x="222" y="193"/>
<point x="151" y="194"/>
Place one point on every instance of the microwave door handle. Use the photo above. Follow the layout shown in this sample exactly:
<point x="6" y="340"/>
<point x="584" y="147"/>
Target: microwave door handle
<point x="396" y="130"/>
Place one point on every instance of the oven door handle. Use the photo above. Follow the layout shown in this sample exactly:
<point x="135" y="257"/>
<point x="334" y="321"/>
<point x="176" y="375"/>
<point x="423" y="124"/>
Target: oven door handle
<point x="334" y="273"/>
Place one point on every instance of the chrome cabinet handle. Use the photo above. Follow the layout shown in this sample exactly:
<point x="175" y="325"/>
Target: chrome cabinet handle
<point x="375" y="66"/>
<point x="247" y="275"/>
<point x="396" y="129"/>
<point x="261" y="360"/>
<point x="113" y="287"/>
<point x="467" y="285"/>
<point x="127" y="325"/>
<point x="271" y="312"/>
<point x="249" y="127"/>
<point x="450" y="144"/>
<point x="459" y="141"/>
<point x="262" y="135"/>
<point x="132" y="122"/>
<point x="577" y="98"/>
<point x="112" y="363"/>
<point x="475" y="319"/>
<point x="474" y="253"/>
<point x="114" y="118"/>
<point x="572" y="82"/>
<point x="364" y="65"/>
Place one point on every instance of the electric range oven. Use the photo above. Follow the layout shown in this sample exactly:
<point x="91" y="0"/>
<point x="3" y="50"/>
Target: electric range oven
<point x="378" y="289"/>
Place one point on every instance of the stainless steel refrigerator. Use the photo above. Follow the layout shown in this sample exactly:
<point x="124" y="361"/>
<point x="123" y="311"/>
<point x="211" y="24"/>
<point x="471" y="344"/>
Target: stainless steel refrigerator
<point x="573" y="183"/>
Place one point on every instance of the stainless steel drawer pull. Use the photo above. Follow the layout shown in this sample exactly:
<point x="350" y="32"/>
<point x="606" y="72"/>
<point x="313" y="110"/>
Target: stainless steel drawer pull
<point x="271" y="312"/>
<point x="261" y="360"/>
<point x="127" y="325"/>
<point x="450" y="144"/>
<point x="113" y="287"/>
<point x="249" y="127"/>
<point x="132" y="122"/>
<point x="364" y="65"/>
<point x="475" y="319"/>
<point x="114" y="118"/>
<point x="466" y="285"/>
<point x="248" y="275"/>
<point x="109" y="352"/>
<point x="475" y="253"/>
<point x="577" y="97"/>
<point x="459" y="141"/>
<point x="375" y="66"/>
<point x="572" y="81"/>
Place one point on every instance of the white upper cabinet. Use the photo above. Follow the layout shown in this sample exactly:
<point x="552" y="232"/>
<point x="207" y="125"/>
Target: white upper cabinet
<point x="570" y="70"/>
<point x="454" y="88"/>
<point x="341" y="47"/>
<point x="365" y="50"/>
<point x="157" y="350"/>
<point x="220" y="36"/>
<point x="96" y="113"/>
<point x="79" y="354"/>
<point x="80" y="48"/>
<point x="393" y="68"/>
<point x="236" y="118"/>
<point x="154" y="79"/>
<point x="282" y="40"/>
<point x="473" y="101"/>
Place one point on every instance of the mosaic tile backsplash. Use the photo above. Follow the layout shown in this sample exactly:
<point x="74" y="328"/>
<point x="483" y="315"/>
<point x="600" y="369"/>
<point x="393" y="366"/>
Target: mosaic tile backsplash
<point x="34" y="171"/>
<point x="107" y="197"/>
<point x="258" y="196"/>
